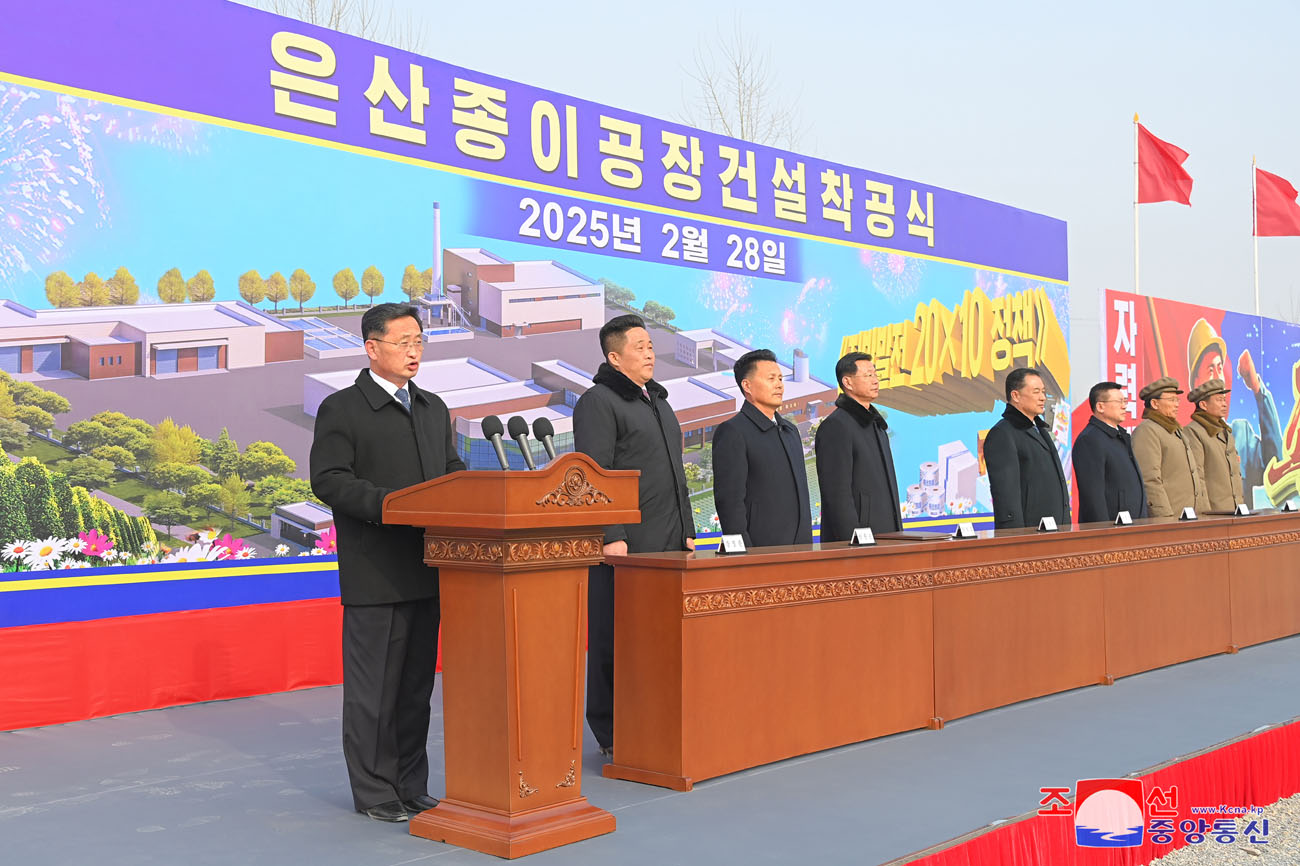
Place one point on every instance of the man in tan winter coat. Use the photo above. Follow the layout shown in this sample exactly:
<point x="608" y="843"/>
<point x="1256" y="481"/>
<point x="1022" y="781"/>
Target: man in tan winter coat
<point x="1214" y="446"/>
<point x="1170" y="471"/>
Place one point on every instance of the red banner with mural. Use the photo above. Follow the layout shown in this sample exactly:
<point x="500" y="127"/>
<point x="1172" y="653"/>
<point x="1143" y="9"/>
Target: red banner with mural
<point x="1258" y="358"/>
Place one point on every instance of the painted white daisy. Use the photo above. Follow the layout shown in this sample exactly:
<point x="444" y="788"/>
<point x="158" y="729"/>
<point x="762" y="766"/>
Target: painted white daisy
<point x="244" y="553"/>
<point x="76" y="545"/>
<point x="282" y="550"/>
<point x="17" y="549"/>
<point x="318" y="551"/>
<point x="109" y="555"/>
<point x="46" y="552"/>
<point x="210" y="534"/>
<point x="201" y="552"/>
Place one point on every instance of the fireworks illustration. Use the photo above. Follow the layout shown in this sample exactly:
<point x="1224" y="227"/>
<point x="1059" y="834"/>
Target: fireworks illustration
<point x="727" y="294"/>
<point x="895" y="276"/>
<point x="808" y="320"/>
<point x="47" y="178"/>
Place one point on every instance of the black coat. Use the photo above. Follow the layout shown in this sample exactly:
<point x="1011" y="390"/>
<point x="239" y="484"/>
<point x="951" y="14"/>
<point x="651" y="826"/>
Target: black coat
<point x="1025" y="475"/>
<point x="615" y="425"/>
<point x="760" y="481"/>
<point x="1107" y="474"/>
<point x="365" y="447"/>
<point x="855" y="469"/>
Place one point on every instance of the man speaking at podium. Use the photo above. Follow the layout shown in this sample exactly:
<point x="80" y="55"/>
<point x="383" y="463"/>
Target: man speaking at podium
<point x="760" y="480"/>
<point x="380" y="434"/>
<point x="624" y="422"/>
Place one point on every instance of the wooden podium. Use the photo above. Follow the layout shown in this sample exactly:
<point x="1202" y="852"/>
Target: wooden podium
<point x="512" y="550"/>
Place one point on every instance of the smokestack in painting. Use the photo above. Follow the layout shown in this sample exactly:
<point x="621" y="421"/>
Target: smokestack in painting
<point x="800" y="365"/>
<point x="437" y="249"/>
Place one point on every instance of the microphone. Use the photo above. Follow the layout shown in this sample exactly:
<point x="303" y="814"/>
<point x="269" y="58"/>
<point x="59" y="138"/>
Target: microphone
<point x="543" y="431"/>
<point x="519" y="432"/>
<point x="492" y="431"/>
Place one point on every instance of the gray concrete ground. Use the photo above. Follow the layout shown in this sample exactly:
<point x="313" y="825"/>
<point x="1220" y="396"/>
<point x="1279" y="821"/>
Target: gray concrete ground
<point x="261" y="780"/>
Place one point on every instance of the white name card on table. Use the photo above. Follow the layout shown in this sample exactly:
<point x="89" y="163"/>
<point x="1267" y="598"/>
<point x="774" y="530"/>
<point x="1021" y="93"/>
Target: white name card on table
<point x="862" y="537"/>
<point x="1123" y="518"/>
<point x="1290" y="506"/>
<point x="1047" y="524"/>
<point x="731" y="544"/>
<point x="1189" y="513"/>
<point x="1241" y="510"/>
<point x="964" y="530"/>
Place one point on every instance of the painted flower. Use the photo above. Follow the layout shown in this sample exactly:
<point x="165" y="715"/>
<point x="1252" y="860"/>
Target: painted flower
<point x="304" y="553"/>
<point x="328" y="541"/>
<point x="17" y="549"/>
<point x="244" y="552"/>
<point x="109" y="555"/>
<point x="319" y="551"/>
<point x="97" y="543"/>
<point x="282" y="550"/>
<point x="715" y="521"/>
<point x="230" y="544"/>
<point x="210" y="534"/>
<point x="44" y="553"/>
<point x="76" y="545"/>
<point x="200" y="552"/>
<point x="73" y="563"/>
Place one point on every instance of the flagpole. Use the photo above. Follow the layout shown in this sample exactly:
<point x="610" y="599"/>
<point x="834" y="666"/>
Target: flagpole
<point x="1254" y="225"/>
<point x="1136" y="287"/>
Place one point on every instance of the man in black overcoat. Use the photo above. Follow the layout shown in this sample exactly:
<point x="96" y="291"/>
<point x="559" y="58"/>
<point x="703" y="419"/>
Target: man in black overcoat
<point x="623" y="421"/>
<point x="1105" y="469"/>
<point x="855" y="466"/>
<point x="1025" y="475"/>
<point x="380" y="434"/>
<point x="760" y="480"/>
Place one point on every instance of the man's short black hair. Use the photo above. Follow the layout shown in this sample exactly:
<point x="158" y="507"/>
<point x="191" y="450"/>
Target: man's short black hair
<point x="748" y="361"/>
<point x="1016" y="379"/>
<point x="374" y="324"/>
<point x="612" y="335"/>
<point x="848" y="366"/>
<point x="1098" y="391"/>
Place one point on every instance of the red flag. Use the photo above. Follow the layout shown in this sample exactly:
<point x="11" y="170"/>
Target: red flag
<point x="1276" y="213"/>
<point x="1160" y="170"/>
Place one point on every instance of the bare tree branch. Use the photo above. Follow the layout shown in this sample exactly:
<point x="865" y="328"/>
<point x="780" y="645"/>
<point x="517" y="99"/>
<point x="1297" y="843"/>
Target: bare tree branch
<point x="370" y="19"/>
<point x="738" y="94"/>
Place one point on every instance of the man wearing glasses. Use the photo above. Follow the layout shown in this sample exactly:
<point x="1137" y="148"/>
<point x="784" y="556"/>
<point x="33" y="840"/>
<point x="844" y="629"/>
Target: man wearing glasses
<point x="1025" y="475"/>
<point x="1104" y="466"/>
<point x="1170" y="472"/>
<point x="380" y="434"/>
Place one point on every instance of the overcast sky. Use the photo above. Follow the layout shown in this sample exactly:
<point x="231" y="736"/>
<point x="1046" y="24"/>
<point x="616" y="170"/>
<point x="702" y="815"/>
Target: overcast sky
<point x="1028" y="103"/>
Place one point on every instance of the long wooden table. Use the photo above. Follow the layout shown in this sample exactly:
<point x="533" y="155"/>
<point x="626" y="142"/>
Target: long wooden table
<point x="728" y="662"/>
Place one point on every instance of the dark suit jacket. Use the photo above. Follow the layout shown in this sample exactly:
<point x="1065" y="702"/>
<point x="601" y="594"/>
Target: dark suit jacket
<point x="1025" y="475"/>
<point x="760" y="482"/>
<point x="1107" y="474"/>
<point x="855" y="469"/>
<point x="618" y="427"/>
<point x="366" y="446"/>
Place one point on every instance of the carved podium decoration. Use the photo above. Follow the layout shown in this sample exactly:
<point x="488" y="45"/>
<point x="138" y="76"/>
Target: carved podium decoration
<point x="512" y="550"/>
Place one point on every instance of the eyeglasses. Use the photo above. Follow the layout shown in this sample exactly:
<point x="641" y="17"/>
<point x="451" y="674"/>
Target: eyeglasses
<point x="407" y="345"/>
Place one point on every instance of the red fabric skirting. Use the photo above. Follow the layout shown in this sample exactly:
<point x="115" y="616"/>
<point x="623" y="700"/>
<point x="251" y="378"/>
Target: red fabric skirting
<point x="1256" y="771"/>
<point x="64" y="672"/>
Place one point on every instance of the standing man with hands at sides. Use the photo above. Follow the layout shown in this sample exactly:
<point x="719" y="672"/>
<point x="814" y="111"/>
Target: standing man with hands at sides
<point x="855" y="465"/>
<point x="760" y="480"/>
<point x="1214" y="445"/>
<point x="1025" y="475"/>
<point x="380" y="434"/>
<point x="1163" y="450"/>
<point x="624" y="422"/>
<point x="1104" y="466"/>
